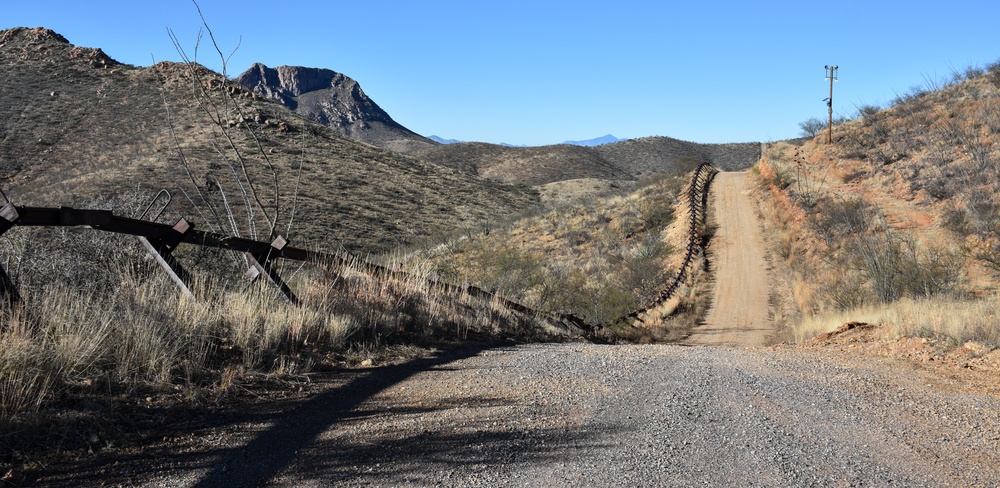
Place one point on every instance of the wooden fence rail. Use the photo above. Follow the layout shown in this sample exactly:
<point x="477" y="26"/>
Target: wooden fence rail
<point x="160" y="240"/>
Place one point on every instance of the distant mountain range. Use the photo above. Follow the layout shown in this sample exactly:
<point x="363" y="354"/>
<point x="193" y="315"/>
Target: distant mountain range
<point x="624" y="160"/>
<point x="597" y="141"/>
<point x="608" y="139"/>
<point x="441" y="140"/>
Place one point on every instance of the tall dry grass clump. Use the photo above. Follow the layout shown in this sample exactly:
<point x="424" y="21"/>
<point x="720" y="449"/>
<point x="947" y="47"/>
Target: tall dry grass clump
<point x="942" y="318"/>
<point x="137" y="331"/>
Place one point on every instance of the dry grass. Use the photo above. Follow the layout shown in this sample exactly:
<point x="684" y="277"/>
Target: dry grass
<point x="141" y="333"/>
<point x="938" y="318"/>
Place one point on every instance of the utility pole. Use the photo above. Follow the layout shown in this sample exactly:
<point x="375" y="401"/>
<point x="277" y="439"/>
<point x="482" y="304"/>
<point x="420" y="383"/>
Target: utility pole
<point x="831" y="74"/>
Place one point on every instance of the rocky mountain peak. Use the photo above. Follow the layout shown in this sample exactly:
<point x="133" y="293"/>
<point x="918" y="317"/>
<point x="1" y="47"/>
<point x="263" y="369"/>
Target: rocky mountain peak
<point x="330" y="98"/>
<point x="27" y="34"/>
<point x="292" y="80"/>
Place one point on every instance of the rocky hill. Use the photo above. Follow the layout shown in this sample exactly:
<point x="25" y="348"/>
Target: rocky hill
<point x="76" y="125"/>
<point x="898" y="216"/>
<point x="332" y="99"/>
<point x="78" y="128"/>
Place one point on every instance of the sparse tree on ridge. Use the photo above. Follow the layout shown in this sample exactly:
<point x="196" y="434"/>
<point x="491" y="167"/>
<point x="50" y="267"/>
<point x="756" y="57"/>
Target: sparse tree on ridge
<point x="812" y="127"/>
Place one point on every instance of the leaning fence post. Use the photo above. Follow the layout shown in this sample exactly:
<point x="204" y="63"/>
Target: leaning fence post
<point x="162" y="252"/>
<point x="8" y="290"/>
<point x="260" y="263"/>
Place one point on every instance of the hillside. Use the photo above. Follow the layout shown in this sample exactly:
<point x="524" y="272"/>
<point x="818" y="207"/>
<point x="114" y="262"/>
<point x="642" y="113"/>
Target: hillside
<point x="646" y="155"/>
<point x="332" y="99"/>
<point x="896" y="222"/>
<point x="624" y="160"/>
<point x="76" y="125"/>
<point x="526" y="165"/>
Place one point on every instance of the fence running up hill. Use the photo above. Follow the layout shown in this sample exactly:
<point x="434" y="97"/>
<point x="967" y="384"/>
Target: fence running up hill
<point x="697" y="203"/>
<point x="161" y="240"/>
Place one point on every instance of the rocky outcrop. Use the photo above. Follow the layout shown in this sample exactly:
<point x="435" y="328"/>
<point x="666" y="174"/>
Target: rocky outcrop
<point x="332" y="99"/>
<point x="39" y="43"/>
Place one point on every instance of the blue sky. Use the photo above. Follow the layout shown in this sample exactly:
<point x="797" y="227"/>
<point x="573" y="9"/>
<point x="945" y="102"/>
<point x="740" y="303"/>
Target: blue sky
<point x="539" y="72"/>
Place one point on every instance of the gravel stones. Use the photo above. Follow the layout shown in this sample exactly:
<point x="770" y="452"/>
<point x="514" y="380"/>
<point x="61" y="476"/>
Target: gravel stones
<point x="590" y="415"/>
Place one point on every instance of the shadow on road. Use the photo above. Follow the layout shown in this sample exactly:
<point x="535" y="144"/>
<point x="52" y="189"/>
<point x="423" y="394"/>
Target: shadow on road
<point x="278" y="446"/>
<point x="287" y="429"/>
<point x="291" y="447"/>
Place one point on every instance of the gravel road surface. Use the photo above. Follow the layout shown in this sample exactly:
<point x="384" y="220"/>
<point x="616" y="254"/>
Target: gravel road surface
<point x="591" y="415"/>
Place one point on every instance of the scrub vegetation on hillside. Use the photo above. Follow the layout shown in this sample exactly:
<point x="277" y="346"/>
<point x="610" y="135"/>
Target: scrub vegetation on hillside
<point x="899" y="214"/>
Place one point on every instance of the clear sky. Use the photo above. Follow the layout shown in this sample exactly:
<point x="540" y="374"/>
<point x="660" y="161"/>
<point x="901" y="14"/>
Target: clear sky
<point x="539" y="72"/>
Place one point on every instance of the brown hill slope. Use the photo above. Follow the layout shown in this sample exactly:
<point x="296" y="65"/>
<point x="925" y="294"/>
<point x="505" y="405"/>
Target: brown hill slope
<point x="76" y="125"/>
<point x="332" y="99"/>
<point x="526" y="165"/>
<point x="625" y="160"/>
<point x="901" y="208"/>
<point x="646" y="155"/>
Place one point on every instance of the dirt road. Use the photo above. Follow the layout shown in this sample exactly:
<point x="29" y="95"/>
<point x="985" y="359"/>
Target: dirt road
<point x="739" y="314"/>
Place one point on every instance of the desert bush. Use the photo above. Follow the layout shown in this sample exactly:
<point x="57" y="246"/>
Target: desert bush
<point x="868" y="113"/>
<point x="891" y="265"/>
<point x="972" y="72"/>
<point x="854" y="144"/>
<point x="929" y="272"/>
<point x="811" y="127"/>
<point x="782" y="178"/>
<point x="912" y="95"/>
<point x="842" y="218"/>
<point x="847" y="291"/>
<point x="878" y="255"/>
<point x="993" y="73"/>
